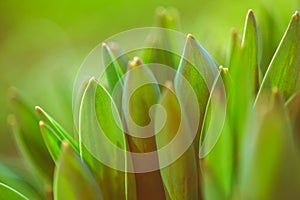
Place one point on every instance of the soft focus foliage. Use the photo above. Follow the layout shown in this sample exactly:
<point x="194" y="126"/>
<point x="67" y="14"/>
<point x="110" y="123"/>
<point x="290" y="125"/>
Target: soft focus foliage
<point x="257" y="154"/>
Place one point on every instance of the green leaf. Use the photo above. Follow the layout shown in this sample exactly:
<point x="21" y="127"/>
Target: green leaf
<point x="167" y="18"/>
<point x="141" y="92"/>
<point x="113" y="71"/>
<point x="24" y="123"/>
<point x="55" y="126"/>
<point x="7" y="192"/>
<point x="117" y="53"/>
<point x="26" y="183"/>
<point x="217" y="167"/>
<point x="162" y="43"/>
<point x="199" y="69"/>
<point x="269" y="163"/>
<point x="293" y="106"/>
<point x="244" y="72"/>
<point x="52" y="140"/>
<point x="180" y="178"/>
<point x="73" y="179"/>
<point x="283" y="71"/>
<point x="99" y="135"/>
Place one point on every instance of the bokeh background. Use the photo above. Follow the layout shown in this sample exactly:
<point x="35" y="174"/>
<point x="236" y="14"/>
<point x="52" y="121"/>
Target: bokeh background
<point x="43" y="43"/>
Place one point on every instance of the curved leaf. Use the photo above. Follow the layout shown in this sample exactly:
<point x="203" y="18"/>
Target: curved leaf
<point x="25" y="183"/>
<point x="55" y="126"/>
<point x="7" y="192"/>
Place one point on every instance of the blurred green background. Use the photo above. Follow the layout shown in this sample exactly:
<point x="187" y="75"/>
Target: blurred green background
<point x="43" y="43"/>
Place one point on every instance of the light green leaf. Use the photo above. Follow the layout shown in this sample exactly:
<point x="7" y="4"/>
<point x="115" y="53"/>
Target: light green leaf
<point x="244" y="72"/>
<point x="7" y="192"/>
<point x="24" y="123"/>
<point x="180" y="178"/>
<point x="55" y="126"/>
<point x="73" y="179"/>
<point x="283" y="71"/>
<point x="99" y="136"/>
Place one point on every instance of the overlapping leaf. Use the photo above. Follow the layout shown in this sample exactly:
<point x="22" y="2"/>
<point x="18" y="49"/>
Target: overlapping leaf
<point x="100" y="135"/>
<point x="141" y="92"/>
<point x="183" y="170"/>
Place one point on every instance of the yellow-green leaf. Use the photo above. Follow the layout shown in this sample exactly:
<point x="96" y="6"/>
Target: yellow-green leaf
<point x="73" y="179"/>
<point x="283" y="71"/>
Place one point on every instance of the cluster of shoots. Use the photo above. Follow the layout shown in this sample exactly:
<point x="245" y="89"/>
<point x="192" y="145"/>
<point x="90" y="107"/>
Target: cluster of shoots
<point x="255" y="156"/>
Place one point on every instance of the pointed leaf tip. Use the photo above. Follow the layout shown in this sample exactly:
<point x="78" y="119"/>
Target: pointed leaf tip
<point x="250" y="12"/>
<point x="41" y="124"/>
<point x="104" y="45"/>
<point x="65" y="145"/>
<point x="190" y="36"/>
<point x="135" y="62"/>
<point x="169" y="85"/>
<point x="296" y="15"/>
